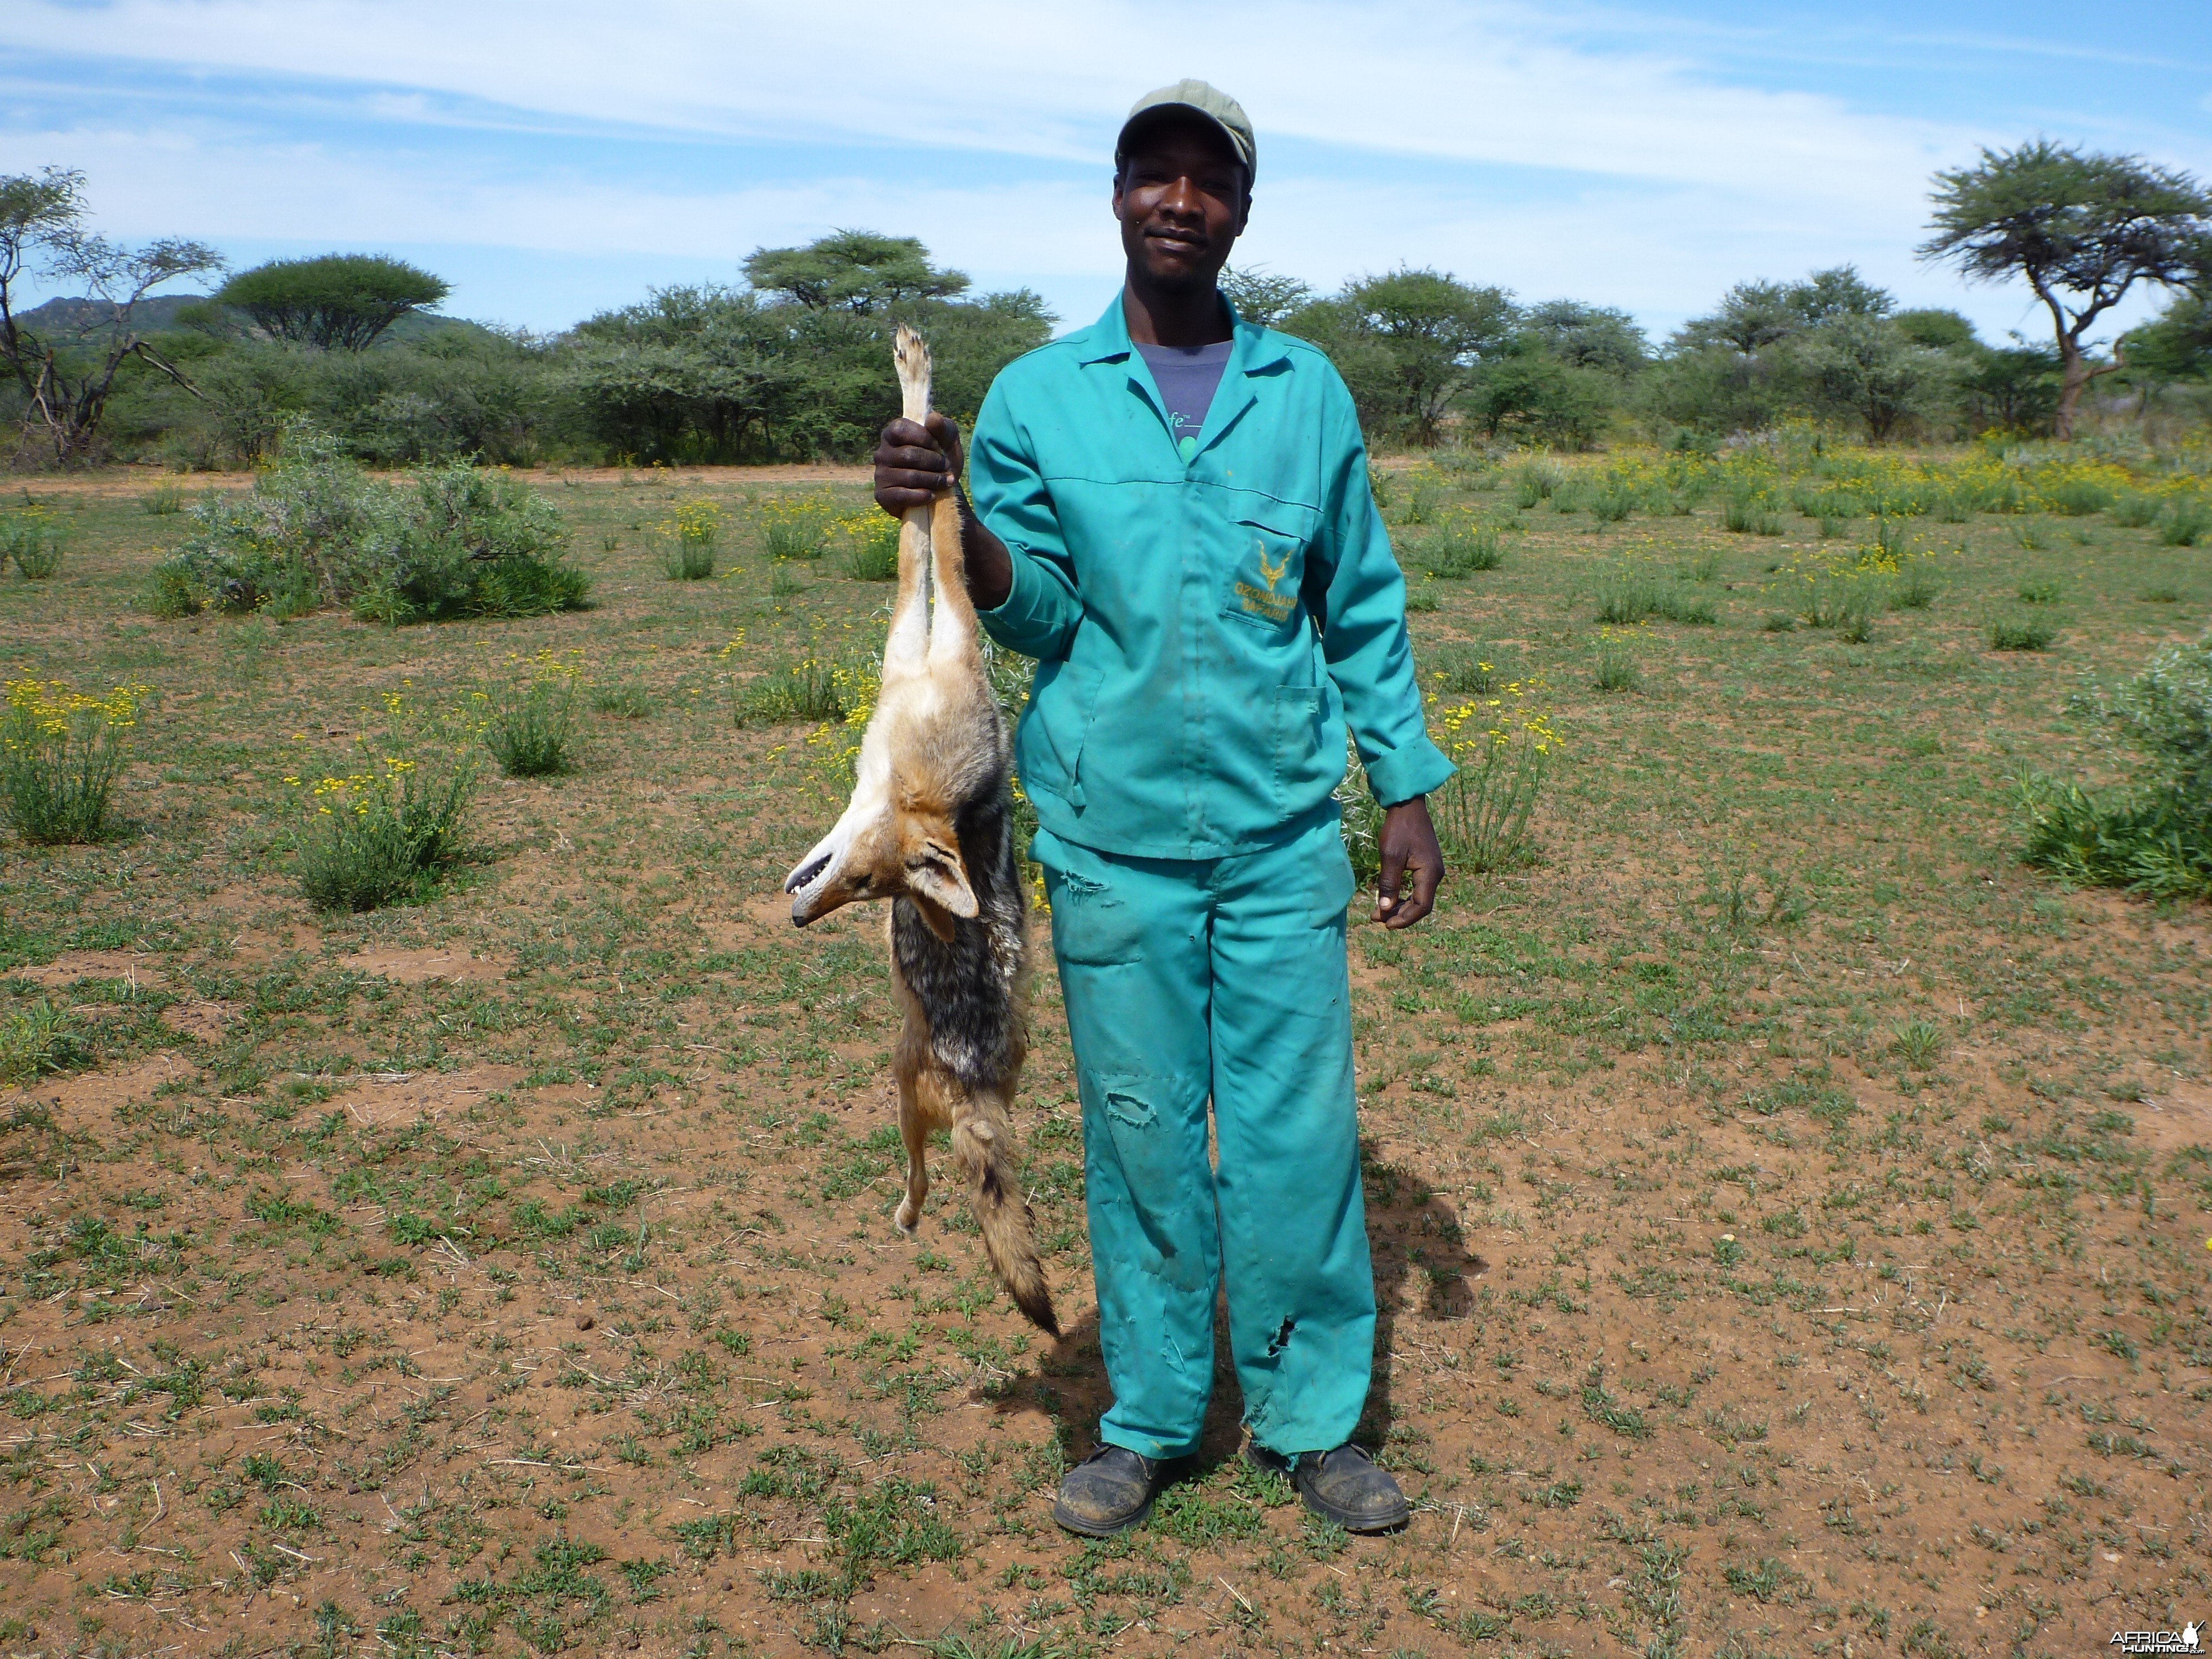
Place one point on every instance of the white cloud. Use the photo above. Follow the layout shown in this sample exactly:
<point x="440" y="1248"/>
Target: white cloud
<point x="1490" y="138"/>
<point x="1491" y="83"/>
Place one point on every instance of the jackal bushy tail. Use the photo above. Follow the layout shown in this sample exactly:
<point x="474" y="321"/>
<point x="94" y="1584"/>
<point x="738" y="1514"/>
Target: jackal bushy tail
<point x="983" y="1147"/>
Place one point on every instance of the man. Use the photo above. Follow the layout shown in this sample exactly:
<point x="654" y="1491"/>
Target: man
<point x="1172" y="515"/>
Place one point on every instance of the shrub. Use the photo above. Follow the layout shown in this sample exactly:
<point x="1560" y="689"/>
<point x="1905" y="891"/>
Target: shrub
<point x="1844" y="602"/>
<point x="1425" y="494"/>
<point x="163" y="500"/>
<point x="2155" y="837"/>
<point x="1360" y="821"/>
<point x="1611" y="501"/>
<point x="871" y="547"/>
<point x="2154" y="844"/>
<point x="2021" y="634"/>
<point x="60" y="754"/>
<point x="628" y="703"/>
<point x="796" y="529"/>
<point x="1748" y="515"/>
<point x="531" y="721"/>
<point x="1914" y="590"/>
<point x="454" y="540"/>
<point x="809" y="688"/>
<point x="37" y="1040"/>
<point x="1461" y="548"/>
<point x="2134" y="509"/>
<point x="384" y="834"/>
<point x="1482" y="812"/>
<point x="32" y="539"/>
<point x="2077" y="496"/>
<point x="2186" y="522"/>
<point x="690" y="537"/>
<point x="1537" y="481"/>
<point x="1464" y="674"/>
<point x="1616" y="670"/>
<point x="1624" y="601"/>
<point x="2039" y="593"/>
<point x="2166" y="714"/>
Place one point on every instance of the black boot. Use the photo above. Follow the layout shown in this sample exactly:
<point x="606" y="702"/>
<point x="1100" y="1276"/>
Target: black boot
<point x="1343" y="1485"/>
<point x="1109" y="1492"/>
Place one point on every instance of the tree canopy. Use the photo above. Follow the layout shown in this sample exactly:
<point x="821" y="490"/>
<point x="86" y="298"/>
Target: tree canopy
<point x="1408" y="343"/>
<point x="1585" y="335"/>
<point x="855" y="271"/>
<point x="338" y="301"/>
<point x="1260" y="296"/>
<point x="2079" y="227"/>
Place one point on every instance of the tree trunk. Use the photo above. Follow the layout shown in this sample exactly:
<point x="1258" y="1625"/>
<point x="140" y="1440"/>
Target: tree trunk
<point x="2074" y="377"/>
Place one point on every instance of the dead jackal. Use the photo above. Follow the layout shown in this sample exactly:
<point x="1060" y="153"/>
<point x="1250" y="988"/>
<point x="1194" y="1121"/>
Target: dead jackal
<point x="931" y="828"/>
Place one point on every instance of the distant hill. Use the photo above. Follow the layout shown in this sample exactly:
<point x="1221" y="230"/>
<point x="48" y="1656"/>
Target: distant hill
<point x="75" y="318"/>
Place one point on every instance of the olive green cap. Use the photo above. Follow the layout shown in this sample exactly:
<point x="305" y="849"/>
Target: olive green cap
<point x="1209" y="100"/>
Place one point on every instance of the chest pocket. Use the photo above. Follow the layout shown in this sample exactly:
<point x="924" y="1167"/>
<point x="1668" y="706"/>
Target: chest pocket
<point x="1269" y="564"/>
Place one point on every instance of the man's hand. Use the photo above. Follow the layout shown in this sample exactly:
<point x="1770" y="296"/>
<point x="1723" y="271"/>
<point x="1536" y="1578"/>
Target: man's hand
<point x="1408" y="846"/>
<point x="915" y="464"/>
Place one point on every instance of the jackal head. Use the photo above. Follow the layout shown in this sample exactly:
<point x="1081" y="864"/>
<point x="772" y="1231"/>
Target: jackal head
<point x="881" y="850"/>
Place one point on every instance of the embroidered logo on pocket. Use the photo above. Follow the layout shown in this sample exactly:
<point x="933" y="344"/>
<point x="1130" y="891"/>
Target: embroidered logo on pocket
<point x="1266" y="601"/>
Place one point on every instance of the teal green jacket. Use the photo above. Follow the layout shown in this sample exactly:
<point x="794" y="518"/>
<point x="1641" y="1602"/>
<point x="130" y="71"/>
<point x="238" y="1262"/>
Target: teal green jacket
<point x="1207" y="625"/>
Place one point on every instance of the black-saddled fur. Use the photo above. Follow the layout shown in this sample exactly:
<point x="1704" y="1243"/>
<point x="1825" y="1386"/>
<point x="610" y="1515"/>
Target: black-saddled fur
<point x="968" y="985"/>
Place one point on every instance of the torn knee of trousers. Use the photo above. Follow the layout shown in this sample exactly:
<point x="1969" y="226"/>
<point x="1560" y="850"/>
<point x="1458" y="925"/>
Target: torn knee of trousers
<point x="1281" y="1339"/>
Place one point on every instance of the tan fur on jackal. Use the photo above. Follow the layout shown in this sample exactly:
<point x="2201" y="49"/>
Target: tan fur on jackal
<point x="931" y="827"/>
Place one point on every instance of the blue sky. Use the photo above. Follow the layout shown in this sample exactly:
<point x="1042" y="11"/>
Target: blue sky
<point x="551" y="160"/>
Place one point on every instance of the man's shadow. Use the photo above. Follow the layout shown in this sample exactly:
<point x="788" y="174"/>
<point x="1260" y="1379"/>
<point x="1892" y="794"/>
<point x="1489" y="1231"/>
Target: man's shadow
<point x="1423" y="1266"/>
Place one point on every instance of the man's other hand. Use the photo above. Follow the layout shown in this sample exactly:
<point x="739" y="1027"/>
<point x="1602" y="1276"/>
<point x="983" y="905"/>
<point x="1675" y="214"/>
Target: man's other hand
<point x="915" y="464"/>
<point x="1409" y="850"/>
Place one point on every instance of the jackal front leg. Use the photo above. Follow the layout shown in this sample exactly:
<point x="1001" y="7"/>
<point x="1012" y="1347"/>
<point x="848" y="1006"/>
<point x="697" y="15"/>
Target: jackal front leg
<point x="914" y="1130"/>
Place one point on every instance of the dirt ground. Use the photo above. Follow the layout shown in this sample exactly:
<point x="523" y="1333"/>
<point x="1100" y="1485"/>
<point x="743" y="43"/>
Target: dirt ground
<point x="1790" y="1211"/>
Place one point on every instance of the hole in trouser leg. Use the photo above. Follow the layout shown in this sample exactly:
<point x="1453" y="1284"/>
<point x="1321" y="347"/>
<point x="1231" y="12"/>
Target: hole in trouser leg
<point x="1281" y="1337"/>
<point x="1127" y="1109"/>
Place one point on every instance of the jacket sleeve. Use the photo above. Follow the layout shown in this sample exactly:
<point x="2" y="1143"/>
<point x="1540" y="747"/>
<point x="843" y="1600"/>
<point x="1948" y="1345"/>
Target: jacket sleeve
<point x="1358" y="600"/>
<point x="1038" y="616"/>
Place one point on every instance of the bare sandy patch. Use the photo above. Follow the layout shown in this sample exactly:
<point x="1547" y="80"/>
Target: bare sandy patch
<point x="424" y="967"/>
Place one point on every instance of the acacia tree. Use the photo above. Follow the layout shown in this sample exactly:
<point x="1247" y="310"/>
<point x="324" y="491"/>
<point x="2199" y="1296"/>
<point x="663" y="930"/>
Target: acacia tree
<point x="335" y="302"/>
<point x="65" y="385"/>
<point x="856" y="270"/>
<point x="2082" y="230"/>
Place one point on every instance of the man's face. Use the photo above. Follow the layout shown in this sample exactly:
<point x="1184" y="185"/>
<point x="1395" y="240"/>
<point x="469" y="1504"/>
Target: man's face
<point x="1181" y="201"/>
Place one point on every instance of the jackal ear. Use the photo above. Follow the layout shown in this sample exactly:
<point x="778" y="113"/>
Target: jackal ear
<point x="934" y="872"/>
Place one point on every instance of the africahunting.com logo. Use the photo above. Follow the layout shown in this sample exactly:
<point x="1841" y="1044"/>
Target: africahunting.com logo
<point x="2187" y="1639"/>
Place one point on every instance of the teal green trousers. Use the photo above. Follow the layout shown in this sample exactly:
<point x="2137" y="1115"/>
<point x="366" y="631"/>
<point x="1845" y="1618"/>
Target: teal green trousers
<point x="1220" y="981"/>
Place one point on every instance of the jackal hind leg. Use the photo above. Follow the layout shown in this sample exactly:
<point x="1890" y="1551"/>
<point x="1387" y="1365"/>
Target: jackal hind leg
<point x="952" y="625"/>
